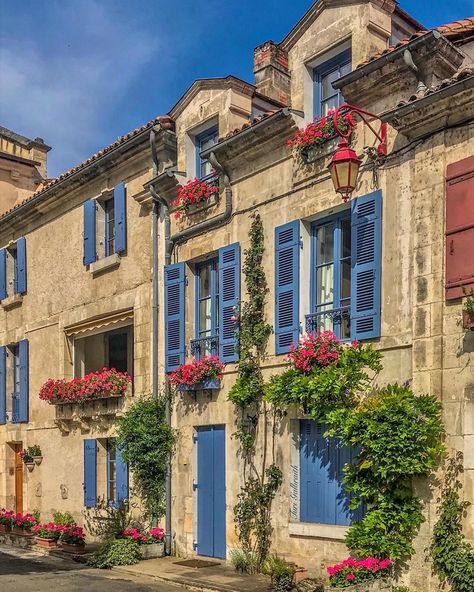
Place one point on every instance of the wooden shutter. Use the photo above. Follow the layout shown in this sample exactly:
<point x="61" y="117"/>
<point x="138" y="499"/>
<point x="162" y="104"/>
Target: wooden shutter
<point x="90" y="253"/>
<point x="90" y="473"/>
<point x="121" y="469"/>
<point x="229" y="293"/>
<point x="3" y="274"/>
<point x="20" y="283"/>
<point x="460" y="228"/>
<point x="23" y="401"/>
<point x="120" y="218"/>
<point x="365" y="261"/>
<point x="3" y="384"/>
<point x="174" y="316"/>
<point x="287" y="279"/>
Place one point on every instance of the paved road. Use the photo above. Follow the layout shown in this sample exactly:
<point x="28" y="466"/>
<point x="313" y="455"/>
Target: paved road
<point x="24" y="571"/>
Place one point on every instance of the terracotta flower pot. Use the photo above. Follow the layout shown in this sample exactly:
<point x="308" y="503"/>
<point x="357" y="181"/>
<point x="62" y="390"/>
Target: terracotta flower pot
<point x="467" y="320"/>
<point x="46" y="543"/>
<point x="5" y="528"/>
<point x="75" y="549"/>
<point x="24" y="532"/>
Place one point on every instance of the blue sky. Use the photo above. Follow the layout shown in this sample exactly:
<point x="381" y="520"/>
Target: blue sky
<point x="80" y="73"/>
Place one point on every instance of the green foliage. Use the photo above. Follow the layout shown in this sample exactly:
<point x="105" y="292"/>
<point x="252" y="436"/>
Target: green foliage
<point x="107" y="522"/>
<point x="469" y="304"/>
<point x="146" y="441"/>
<point x="323" y="389"/>
<point x="63" y="518"/>
<point x="281" y="572"/>
<point x="37" y="515"/>
<point x="453" y="557"/>
<point x="116" y="552"/>
<point x="402" y="589"/>
<point x="243" y="561"/>
<point x="34" y="450"/>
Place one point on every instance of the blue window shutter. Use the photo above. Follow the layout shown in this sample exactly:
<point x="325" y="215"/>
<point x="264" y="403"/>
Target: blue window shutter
<point x="20" y="280"/>
<point x="121" y="471"/>
<point x="90" y="473"/>
<point x="3" y="384"/>
<point x="23" y="404"/>
<point x="174" y="316"/>
<point x="3" y="274"/>
<point x="120" y="218"/>
<point x="287" y="280"/>
<point x="90" y="253"/>
<point x="229" y="294"/>
<point x="366" y="265"/>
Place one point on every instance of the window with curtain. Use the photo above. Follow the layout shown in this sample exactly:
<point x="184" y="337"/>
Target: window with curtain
<point x="207" y="313"/>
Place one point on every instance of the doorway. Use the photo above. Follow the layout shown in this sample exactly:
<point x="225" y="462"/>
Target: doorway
<point x="17" y="448"/>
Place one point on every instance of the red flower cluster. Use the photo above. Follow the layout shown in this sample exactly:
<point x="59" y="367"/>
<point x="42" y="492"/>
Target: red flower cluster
<point x="315" y="350"/>
<point x="351" y="572"/>
<point x="49" y="530"/>
<point x="195" y="191"/>
<point x="320" y="130"/>
<point x="25" y="521"/>
<point x="72" y="535"/>
<point x="106" y="383"/>
<point x="6" y="516"/>
<point x="152" y="536"/>
<point x="197" y="371"/>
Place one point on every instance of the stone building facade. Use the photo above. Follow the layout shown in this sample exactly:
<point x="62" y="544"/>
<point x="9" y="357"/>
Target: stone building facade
<point x="419" y="200"/>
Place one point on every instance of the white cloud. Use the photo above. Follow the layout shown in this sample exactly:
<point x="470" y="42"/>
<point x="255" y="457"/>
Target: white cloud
<point x="65" y="90"/>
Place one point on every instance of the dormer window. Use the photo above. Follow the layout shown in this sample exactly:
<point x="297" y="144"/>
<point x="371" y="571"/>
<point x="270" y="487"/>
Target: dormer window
<point x="204" y="141"/>
<point x="13" y="269"/>
<point x="325" y="96"/>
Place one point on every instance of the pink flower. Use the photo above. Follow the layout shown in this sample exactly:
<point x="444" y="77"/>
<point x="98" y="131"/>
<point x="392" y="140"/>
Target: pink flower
<point x="350" y="577"/>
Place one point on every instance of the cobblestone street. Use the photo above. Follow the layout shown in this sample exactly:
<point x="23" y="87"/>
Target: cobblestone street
<point x="24" y="571"/>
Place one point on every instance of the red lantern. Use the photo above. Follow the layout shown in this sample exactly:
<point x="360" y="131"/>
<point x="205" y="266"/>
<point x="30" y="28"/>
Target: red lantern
<point x="344" y="167"/>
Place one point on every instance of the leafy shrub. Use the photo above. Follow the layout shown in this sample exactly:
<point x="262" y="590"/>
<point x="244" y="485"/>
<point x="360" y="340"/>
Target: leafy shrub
<point x="146" y="442"/>
<point x="244" y="561"/>
<point x="106" y="521"/>
<point x="281" y="572"/>
<point x="117" y="552"/>
<point x="63" y="518"/>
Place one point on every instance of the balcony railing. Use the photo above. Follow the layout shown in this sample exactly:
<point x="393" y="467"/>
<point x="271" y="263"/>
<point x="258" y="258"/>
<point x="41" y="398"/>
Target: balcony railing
<point x="204" y="346"/>
<point x="316" y="320"/>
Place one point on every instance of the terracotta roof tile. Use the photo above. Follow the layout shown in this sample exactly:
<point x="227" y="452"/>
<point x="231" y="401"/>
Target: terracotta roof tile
<point x="249" y="123"/>
<point x="46" y="185"/>
<point x="450" y="30"/>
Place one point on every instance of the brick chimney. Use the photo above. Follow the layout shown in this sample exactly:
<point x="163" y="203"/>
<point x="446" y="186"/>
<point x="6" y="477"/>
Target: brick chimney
<point x="270" y="67"/>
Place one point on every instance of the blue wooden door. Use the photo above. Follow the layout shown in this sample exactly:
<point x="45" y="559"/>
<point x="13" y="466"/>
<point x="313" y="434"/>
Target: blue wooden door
<point x="211" y="534"/>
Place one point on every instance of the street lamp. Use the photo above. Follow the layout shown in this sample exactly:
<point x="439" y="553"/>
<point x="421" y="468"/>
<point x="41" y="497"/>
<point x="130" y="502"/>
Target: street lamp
<point x="345" y="163"/>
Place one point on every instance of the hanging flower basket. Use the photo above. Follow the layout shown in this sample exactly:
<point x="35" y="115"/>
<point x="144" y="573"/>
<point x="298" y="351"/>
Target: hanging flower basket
<point x="196" y="192"/>
<point x="203" y="374"/>
<point x="310" y="142"/>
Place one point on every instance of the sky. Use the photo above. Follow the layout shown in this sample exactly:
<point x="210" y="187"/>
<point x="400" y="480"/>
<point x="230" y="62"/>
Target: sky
<point x="80" y="73"/>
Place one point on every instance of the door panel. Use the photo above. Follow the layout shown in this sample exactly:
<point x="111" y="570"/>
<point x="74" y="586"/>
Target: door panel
<point x="211" y="494"/>
<point x="18" y="479"/>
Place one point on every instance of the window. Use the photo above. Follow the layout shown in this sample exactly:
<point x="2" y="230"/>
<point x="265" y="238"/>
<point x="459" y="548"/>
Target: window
<point x="331" y="276"/>
<point x="13" y="269"/>
<point x="105" y="473"/>
<point x="325" y="96"/>
<point x="204" y="141"/>
<point x="207" y="309"/>
<point x="14" y="387"/>
<point x="104" y="231"/>
<point x="322" y="460"/>
<point x="109" y="349"/>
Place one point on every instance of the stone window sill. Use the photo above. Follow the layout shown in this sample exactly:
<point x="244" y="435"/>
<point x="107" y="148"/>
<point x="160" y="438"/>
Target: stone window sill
<point x="322" y="531"/>
<point x="12" y="301"/>
<point x="106" y="264"/>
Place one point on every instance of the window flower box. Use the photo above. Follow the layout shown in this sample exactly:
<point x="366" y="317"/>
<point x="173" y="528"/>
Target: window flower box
<point x="196" y="195"/>
<point x="209" y="384"/>
<point x="203" y="374"/>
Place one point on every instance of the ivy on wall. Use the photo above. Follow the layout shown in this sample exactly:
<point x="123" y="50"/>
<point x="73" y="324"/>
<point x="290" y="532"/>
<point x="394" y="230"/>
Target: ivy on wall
<point x="398" y="435"/>
<point x="261" y="478"/>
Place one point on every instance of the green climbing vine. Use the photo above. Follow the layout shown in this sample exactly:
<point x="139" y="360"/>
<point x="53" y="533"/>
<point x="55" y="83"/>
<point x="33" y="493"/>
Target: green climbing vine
<point x="261" y="477"/>
<point x="397" y="433"/>
<point x="453" y="557"/>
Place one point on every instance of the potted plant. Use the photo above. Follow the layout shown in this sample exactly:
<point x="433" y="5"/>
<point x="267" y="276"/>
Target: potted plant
<point x="468" y="313"/>
<point x="35" y="452"/>
<point x="351" y="572"/>
<point x="6" y="518"/>
<point x="195" y="193"/>
<point x="47" y="535"/>
<point x="202" y="374"/>
<point x="151" y="542"/>
<point x="72" y="539"/>
<point x="22" y="524"/>
<point x="27" y="458"/>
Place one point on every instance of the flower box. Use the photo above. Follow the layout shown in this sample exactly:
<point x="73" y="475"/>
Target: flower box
<point x="5" y="528"/>
<point x="46" y="543"/>
<point x="196" y="195"/>
<point x="24" y="532"/>
<point x="314" y="153"/>
<point x="73" y="548"/>
<point x="467" y="320"/>
<point x="152" y="551"/>
<point x="209" y="384"/>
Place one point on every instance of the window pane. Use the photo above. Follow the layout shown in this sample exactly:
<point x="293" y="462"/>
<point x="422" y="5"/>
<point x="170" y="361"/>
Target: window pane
<point x="346" y="326"/>
<point x="205" y="281"/>
<point x="205" y="317"/>
<point x="345" y="281"/>
<point x="325" y="284"/>
<point x="118" y="351"/>
<point x="112" y="491"/>
<point x="326" y="84"/>
<point x="324" y="322"/>
<point x="345" y="238"/>
<point x="325" y="244"/>
<point x="329" y="104"/>
<point x="206" y="168"/>
<point x="345" y="69"/>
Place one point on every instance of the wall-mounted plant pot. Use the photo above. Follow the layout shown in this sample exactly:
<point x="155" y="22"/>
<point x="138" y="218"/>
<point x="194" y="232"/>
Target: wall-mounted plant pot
<point x="30" y="466"/>
<point x="206" y="385"/>
<point x="38" y="459"/>
<point x="467" y="320"/>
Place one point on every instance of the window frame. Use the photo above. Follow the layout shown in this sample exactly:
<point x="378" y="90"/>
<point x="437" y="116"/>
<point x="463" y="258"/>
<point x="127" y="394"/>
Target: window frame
<point x="214" y="297"/>
<point x="16" y="379"/>
<point x="110" y="445"/>
<point x="108" y="206"/>
<point x="199" y="139"/>
<point x="335" y="63"/>
<point x="337" y="219"/>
